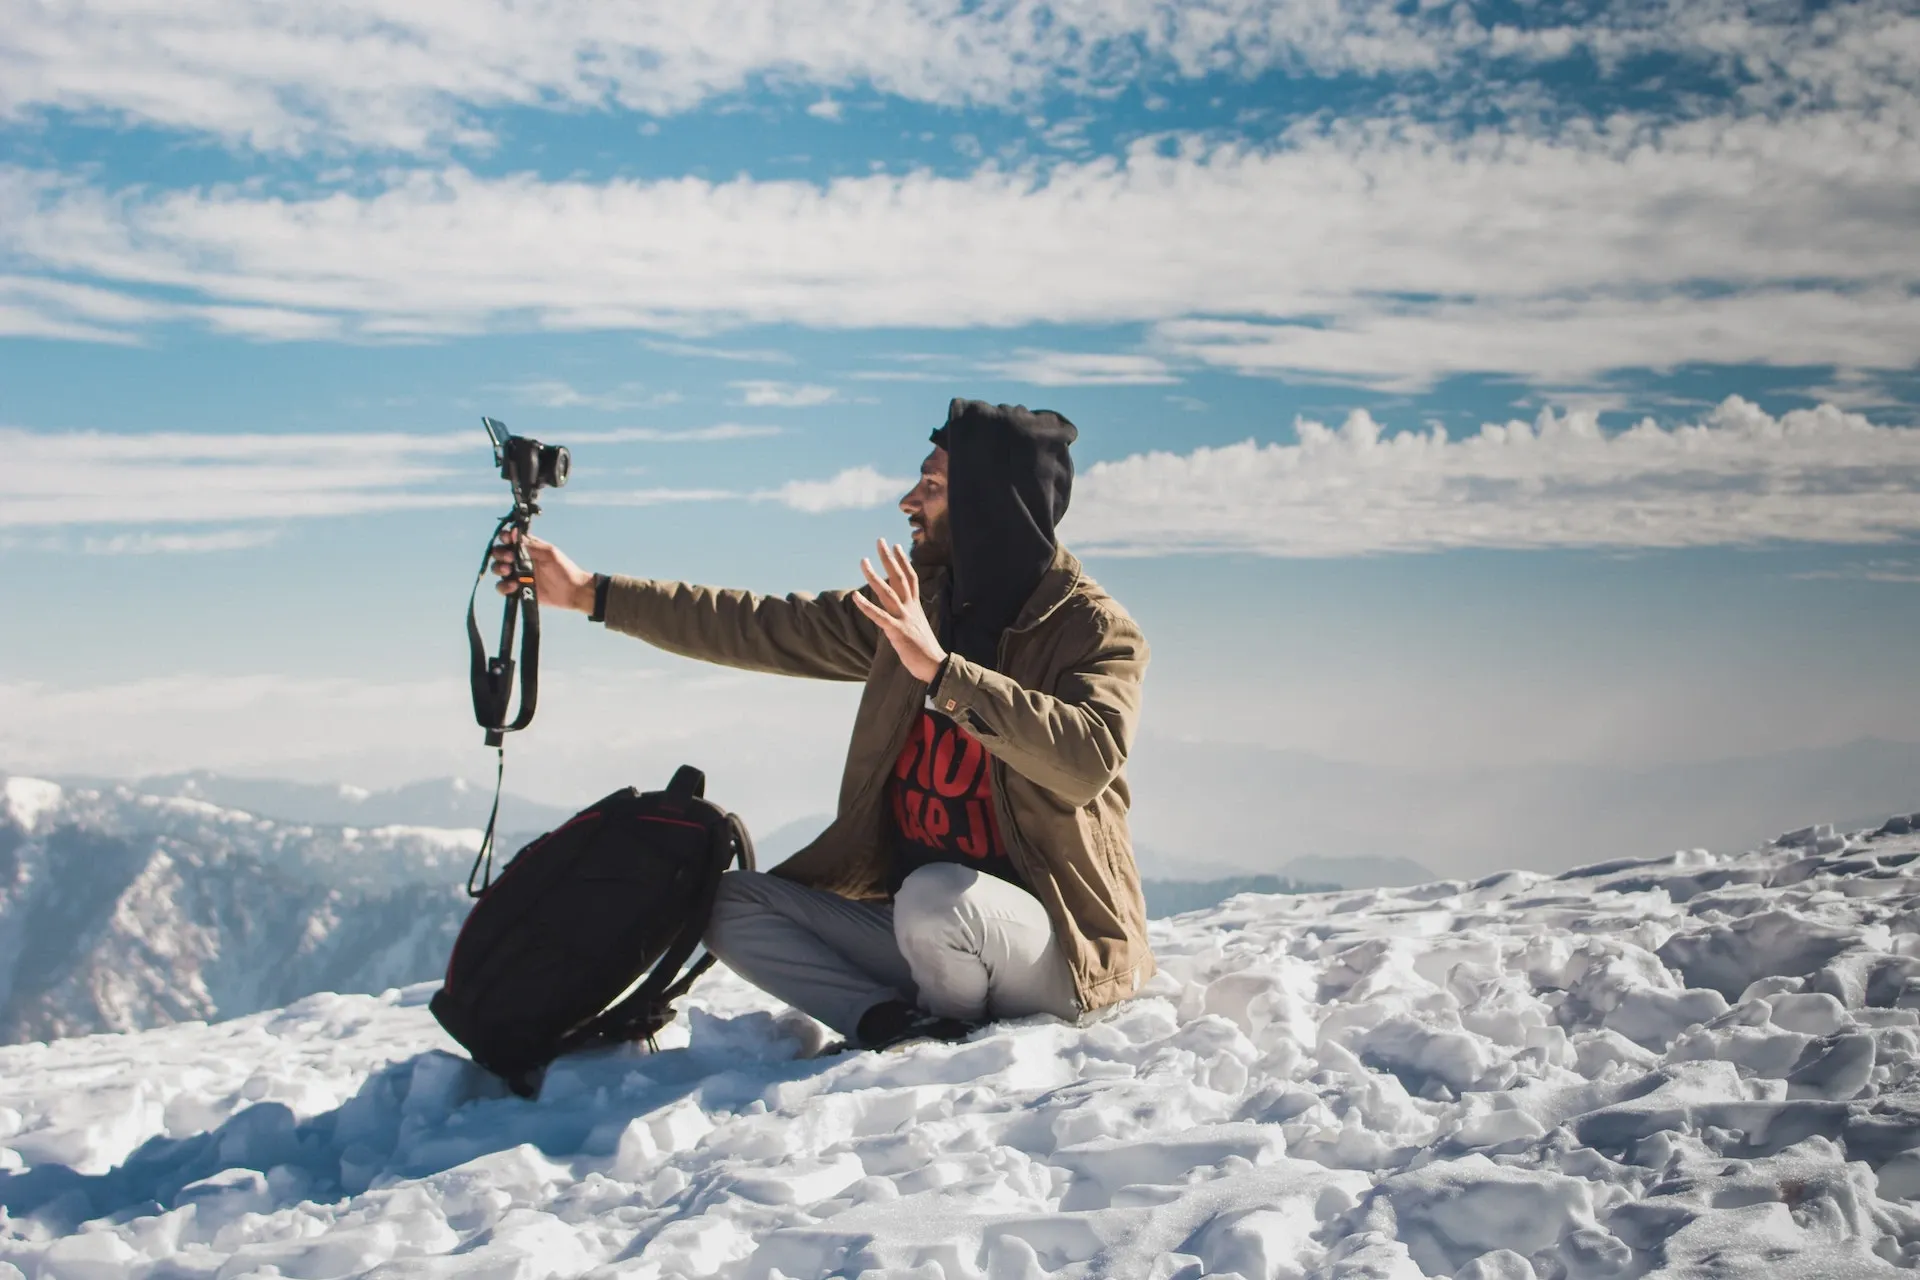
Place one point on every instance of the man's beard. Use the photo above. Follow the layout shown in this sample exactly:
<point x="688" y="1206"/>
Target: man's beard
<point x="934" y="550"/>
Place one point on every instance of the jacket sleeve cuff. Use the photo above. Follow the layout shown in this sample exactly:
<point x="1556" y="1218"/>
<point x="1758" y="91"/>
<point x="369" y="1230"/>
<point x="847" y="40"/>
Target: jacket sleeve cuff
<point x="624" y="606"/>
<point x="953" y="686"/>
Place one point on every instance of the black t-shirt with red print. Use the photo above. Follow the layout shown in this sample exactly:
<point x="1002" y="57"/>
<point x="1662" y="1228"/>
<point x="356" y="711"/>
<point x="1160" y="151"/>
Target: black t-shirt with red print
<point x="941" y="797"/>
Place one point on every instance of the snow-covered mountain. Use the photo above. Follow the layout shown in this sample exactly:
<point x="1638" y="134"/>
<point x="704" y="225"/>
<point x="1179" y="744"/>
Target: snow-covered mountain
<point x="1693" y="1066"/>
<point x="433" y="802"/>
<point x="120" y="910"/>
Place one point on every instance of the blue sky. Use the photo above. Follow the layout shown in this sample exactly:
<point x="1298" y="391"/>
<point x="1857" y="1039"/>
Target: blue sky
<point x="1459" y="387"/>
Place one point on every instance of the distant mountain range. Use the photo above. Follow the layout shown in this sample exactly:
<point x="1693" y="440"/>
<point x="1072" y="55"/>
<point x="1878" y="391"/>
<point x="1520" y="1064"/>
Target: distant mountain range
<point x="1213" y="809"/>
<point x="1173" y="883"/>
<point x="437" y="802"/>
<point x="120" y="910"/>
<point x="1173" y="897"/>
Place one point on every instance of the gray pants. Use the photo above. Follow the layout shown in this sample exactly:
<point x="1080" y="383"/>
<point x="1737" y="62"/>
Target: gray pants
<point x="955" y="942"/>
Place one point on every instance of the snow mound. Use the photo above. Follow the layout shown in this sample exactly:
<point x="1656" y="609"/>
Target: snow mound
<point x="1692" y="1066"/>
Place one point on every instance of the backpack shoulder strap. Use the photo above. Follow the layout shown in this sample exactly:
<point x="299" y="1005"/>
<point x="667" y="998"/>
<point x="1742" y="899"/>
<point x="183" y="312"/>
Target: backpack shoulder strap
<point x="742" y="842"/>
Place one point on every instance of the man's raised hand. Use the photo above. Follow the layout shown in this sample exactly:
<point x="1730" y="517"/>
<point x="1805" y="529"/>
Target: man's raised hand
<point x="899" y="614"/>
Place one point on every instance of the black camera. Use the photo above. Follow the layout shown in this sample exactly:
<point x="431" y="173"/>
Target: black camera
<point x="525" y="463"/>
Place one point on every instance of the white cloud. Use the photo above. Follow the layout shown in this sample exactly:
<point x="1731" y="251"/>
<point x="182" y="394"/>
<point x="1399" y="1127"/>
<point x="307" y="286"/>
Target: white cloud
<point x="761" y="394"/>
<point x="826" y="109"/>
<point x="87" y="477"/>
<point x="167" y="477"/>
<point x="1406" y="347"/>
<point x="412" y="77"/>
<point x="1738" y="477"/>
<point x="36" y="322"/>
<point x="381" y="73"/>
<point x="272" y="324"/>
<point x="40" y="308"/>
<point x="1555" y="255"/>
<point x="675" y="435"/>
<point x="1870" y="571"/>
<point x="552" y="393"/>
<point x="147" y="542"/>
<point x="856" y="488"/>
<point x="1081" y="369"/>
<point x="903" y="375"/>
<point x="67" y="479"/>
<point x="852" y="489"/>
<point x="701" y="351"/>
<point x="651" y="497"/>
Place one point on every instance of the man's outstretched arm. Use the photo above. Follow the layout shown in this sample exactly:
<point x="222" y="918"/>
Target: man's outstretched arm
<point x="819" y="636"/>
<point x="823" y="637"/>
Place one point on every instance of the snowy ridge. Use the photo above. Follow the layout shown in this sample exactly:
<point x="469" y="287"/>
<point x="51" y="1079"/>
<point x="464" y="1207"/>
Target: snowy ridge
<point x="443" y="803"/>
<point x="121" y="910"/>
<point x="27" y="799"/>
<point x="1688" y="1066"/>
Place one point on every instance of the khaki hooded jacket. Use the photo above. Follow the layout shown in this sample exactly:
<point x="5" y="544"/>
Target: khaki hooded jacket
<point x="1057" y="717"/>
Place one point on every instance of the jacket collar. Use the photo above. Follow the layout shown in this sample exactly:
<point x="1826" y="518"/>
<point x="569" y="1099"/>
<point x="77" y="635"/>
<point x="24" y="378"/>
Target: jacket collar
<point x="1056" y="585"/>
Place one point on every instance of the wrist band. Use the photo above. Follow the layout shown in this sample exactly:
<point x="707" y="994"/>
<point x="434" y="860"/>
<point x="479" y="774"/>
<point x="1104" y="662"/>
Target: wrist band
<point x="601" y="582"/>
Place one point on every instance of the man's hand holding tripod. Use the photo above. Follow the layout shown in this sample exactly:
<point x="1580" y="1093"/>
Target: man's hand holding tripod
<point x="558" y="583"/>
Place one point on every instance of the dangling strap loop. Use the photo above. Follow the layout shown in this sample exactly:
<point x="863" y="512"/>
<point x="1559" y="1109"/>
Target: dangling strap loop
<point x="486" y="841"/>
<point x="492" y="678"/>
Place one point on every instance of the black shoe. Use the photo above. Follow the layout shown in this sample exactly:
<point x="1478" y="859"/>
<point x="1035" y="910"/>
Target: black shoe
<point x="895" y="1022"/>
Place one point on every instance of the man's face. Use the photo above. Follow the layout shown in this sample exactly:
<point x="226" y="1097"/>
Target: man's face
<point x="926" y="509"/>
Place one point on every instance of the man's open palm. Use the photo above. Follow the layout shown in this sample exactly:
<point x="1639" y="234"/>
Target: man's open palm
<point x="899" y="614"/>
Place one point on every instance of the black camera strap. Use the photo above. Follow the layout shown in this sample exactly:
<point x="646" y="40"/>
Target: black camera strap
<point x="492" y="677"/>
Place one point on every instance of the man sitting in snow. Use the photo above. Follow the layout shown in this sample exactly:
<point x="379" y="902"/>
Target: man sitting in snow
<point x="979" y="865"/>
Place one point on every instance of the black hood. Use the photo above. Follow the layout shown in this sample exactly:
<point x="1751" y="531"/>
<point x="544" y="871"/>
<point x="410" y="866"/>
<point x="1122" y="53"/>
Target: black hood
<point x="1009" y="477"/>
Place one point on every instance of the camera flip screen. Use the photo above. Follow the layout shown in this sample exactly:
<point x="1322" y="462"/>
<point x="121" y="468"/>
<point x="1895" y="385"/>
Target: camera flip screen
<point x="498" y="433"/>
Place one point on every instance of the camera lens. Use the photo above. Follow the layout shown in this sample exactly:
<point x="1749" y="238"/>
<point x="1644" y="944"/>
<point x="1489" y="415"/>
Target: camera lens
<point x="554" y="461"/>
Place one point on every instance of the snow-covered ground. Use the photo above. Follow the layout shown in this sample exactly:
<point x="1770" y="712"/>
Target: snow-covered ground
<point x="1696" y="1066"/>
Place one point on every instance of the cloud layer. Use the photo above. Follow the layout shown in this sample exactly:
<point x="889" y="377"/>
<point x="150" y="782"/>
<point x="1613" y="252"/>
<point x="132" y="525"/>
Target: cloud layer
<point x="1739" y="477"/>
<point x="409" y="77"/>
<point x="1385" y="253"/>
<point x="597" y="729"/>
<point x="64" y="480"/>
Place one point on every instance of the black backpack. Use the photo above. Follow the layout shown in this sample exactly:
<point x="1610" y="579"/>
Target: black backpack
<point x="547" y="961"/>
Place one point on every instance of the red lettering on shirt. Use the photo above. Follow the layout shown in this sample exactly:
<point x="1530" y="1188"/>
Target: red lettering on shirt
<point x="942" y="791"/>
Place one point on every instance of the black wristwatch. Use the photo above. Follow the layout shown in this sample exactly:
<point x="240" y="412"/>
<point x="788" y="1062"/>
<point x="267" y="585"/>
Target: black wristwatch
<point x="601" y="582"/>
